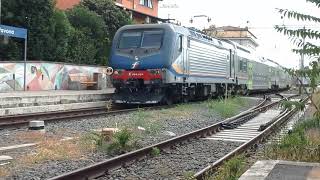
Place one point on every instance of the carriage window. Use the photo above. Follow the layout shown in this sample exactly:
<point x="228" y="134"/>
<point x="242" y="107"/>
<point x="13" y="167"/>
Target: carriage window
<point x="130" y="40"/>
<point x="152" y="39"/>
<point x="243" y="65"/>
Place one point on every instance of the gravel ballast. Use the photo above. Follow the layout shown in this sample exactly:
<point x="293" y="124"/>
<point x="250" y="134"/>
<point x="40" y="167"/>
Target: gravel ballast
<point x="180" y="120"/>
<point x="177" y="162"/>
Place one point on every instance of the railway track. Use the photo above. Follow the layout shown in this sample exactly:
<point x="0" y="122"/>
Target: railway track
<point x="233" y="124"/>
<point x="23" y="119"/>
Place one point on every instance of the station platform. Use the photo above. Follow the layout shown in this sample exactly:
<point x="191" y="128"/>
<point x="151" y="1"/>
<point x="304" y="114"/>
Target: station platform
<point x="23" y="102"/>
<point x="282" y="170"/>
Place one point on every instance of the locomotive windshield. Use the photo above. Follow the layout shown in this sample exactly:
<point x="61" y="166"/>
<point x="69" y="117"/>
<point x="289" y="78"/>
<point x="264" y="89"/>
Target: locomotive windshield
<point x="141" y="39"/>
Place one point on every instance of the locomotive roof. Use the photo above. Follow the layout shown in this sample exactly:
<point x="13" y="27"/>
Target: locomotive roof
<point x="225" y="44"/>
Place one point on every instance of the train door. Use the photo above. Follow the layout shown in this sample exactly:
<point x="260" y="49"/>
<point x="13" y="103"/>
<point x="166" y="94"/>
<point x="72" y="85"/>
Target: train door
<point x="184" y="41"/>
<point x="232" y="65"/>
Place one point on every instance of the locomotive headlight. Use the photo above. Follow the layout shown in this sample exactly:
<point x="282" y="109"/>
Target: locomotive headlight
<point x="117" y="72"/>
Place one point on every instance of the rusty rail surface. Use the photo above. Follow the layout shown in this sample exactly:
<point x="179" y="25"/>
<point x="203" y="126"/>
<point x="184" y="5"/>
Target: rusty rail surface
<point x="102" y="168"/>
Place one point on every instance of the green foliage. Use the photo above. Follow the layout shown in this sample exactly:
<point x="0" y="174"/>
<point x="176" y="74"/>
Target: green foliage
<point x="122" y="142"/>
<point x="37" y="17"/>
<point x="155" y="151"/>
<point x="61" y="33"/>
<point x="301" y="145"/>
<point x="89" y="37"/>
<point x="232" y="169"/>
<point x="93" y="138"/>
<point x="81" y="35"/>
<point x="293" y="104"/>
<point x="189" y="175"/>
<point x="11" y="51"/>
<point x="113" y="17"/>
<point x="226" y="108"/>
<point x="143" y="119"/>
<point x="302" y="39"/>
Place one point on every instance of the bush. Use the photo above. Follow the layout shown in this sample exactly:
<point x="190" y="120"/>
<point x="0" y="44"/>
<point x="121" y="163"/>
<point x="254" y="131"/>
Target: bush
<point x="123" y="141"/>
<point x="302" y="144"/>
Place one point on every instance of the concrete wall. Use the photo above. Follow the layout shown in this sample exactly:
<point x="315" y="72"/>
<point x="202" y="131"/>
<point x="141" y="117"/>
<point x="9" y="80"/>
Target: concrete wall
<point x="47" y="75"/>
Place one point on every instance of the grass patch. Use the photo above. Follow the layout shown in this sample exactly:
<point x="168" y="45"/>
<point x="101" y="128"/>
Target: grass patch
<point x="180" y="111"/>
<point x="4" y="173"/>
<point x="155" y="151"/>
<point x="146" y="120"/>
<point x="227" y="107"/>
<point x="30" y="136"/>
<point x="121" y="142"/>
<point x="232" y="169"/>
<point x="53" y="149"/>
<point x="303" y="144"/>
<point x="188" y="175"/>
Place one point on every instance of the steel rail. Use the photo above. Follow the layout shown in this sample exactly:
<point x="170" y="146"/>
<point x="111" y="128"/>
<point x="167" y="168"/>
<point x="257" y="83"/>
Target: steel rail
<point x="277" y="122"/>
<point x="23" y="119"/>
<point x="102" y="168"/>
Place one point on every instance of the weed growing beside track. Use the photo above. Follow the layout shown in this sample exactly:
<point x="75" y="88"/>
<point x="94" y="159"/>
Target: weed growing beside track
<point x="230" y="170"/>
<point x="227" y="107"/>
<point x="157" y="125"/>
<point x="303" y="144"/>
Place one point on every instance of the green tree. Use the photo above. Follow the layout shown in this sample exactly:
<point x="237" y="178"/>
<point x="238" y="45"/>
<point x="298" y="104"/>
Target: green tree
<point x="113" y="16"/>
<point x="61" y="33"/>
<point x="89" y="41"/>
<point x="48" y="29"/>
<point x="304" y="39"/>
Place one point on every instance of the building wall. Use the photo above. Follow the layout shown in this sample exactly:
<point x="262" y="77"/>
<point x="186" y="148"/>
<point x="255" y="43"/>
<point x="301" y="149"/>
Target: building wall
<point x="45" y="75"/>
<point x="129" y="4"/>
<point x="231" y="34"/>
<point x="136" y="6"/>
<point x="66" y="4"/>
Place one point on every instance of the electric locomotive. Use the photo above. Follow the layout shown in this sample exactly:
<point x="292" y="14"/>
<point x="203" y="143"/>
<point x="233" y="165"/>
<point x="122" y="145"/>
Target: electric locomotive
<point x="165" y="63"/>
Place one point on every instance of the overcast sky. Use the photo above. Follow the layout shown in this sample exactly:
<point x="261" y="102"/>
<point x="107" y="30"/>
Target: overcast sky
<point x="262" y="16"/>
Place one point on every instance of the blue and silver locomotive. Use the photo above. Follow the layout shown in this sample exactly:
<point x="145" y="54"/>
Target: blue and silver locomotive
<point x="156" y="63"/>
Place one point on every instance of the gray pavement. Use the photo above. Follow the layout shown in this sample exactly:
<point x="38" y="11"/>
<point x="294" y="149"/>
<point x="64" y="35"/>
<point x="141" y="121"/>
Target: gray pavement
<point x="282" y="170"/>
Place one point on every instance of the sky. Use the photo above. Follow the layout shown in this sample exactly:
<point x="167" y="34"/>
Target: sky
<point x="260" y="16"/>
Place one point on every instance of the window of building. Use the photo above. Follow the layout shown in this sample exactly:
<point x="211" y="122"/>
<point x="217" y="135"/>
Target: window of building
<point x="147" y="3"/>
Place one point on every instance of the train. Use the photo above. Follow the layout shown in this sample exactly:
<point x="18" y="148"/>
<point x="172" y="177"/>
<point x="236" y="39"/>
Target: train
<point x="167" y="63"/>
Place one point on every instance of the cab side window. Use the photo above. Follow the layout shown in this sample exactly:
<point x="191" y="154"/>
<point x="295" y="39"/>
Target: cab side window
<point x="180" y="40"/>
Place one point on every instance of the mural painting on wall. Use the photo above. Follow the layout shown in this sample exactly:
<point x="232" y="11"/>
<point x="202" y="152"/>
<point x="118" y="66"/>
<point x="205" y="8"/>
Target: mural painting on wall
<point x="43" y="76"/>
